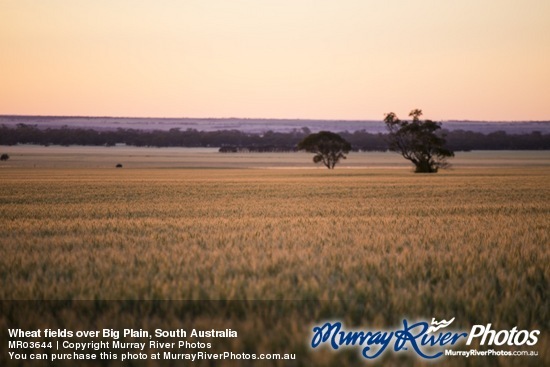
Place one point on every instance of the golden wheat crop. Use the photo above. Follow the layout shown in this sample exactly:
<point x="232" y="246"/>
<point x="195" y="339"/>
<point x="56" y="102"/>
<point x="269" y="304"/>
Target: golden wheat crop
<point x="471" y="244"/>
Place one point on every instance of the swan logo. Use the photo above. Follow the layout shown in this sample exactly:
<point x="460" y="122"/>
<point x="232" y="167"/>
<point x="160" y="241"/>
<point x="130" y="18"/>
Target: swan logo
<point x="439" y="325"/>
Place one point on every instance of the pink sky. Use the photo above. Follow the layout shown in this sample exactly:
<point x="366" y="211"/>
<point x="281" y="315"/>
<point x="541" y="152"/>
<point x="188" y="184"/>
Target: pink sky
<point x="347" y="59"/>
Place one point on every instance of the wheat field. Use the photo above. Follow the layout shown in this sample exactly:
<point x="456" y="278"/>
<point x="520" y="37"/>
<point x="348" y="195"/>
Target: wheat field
<point x="367" y="246"/>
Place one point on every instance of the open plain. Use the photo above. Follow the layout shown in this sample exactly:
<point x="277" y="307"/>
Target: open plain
<point x="369" y="243"/>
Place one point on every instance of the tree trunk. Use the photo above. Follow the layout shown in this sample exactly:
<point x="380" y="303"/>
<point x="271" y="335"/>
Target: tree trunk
<point x="425" y="166"/>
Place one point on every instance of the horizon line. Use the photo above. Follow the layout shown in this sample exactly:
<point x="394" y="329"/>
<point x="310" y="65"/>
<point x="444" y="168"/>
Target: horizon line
<point x="257" y="118"/>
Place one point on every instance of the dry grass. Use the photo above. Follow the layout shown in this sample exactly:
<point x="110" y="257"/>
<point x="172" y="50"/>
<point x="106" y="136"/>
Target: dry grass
<point x="368" y="246"/>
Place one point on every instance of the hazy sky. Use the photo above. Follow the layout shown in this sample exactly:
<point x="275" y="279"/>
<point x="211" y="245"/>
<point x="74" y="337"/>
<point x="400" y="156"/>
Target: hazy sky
<point x="337" y="59"/>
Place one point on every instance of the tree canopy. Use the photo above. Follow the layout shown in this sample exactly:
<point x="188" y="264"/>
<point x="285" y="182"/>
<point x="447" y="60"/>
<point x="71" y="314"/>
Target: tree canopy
<point x="328" y="147"/>
<point x="418" y="141"/>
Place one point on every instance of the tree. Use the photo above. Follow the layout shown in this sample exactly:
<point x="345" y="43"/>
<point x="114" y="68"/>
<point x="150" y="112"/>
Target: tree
<point x="418" y="142"/>
<point x="328" y="147"/>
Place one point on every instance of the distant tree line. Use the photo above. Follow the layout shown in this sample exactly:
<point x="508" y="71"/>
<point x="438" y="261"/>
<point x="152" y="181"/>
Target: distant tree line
<point x="235" y="140"/>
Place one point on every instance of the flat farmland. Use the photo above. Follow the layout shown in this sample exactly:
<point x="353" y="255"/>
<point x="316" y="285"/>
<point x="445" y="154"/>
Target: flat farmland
<point x="30" y="156"/>
<point x="373" y="242"/>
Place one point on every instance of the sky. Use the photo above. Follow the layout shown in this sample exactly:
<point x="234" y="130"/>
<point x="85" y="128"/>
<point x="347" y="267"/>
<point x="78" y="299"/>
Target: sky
<point x="308" y="59"/>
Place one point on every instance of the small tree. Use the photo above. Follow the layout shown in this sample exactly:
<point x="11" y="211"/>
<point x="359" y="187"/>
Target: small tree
<point x="328" y="147"/>
<point x="418" y="142"/>
<point x="4" y="157"/>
